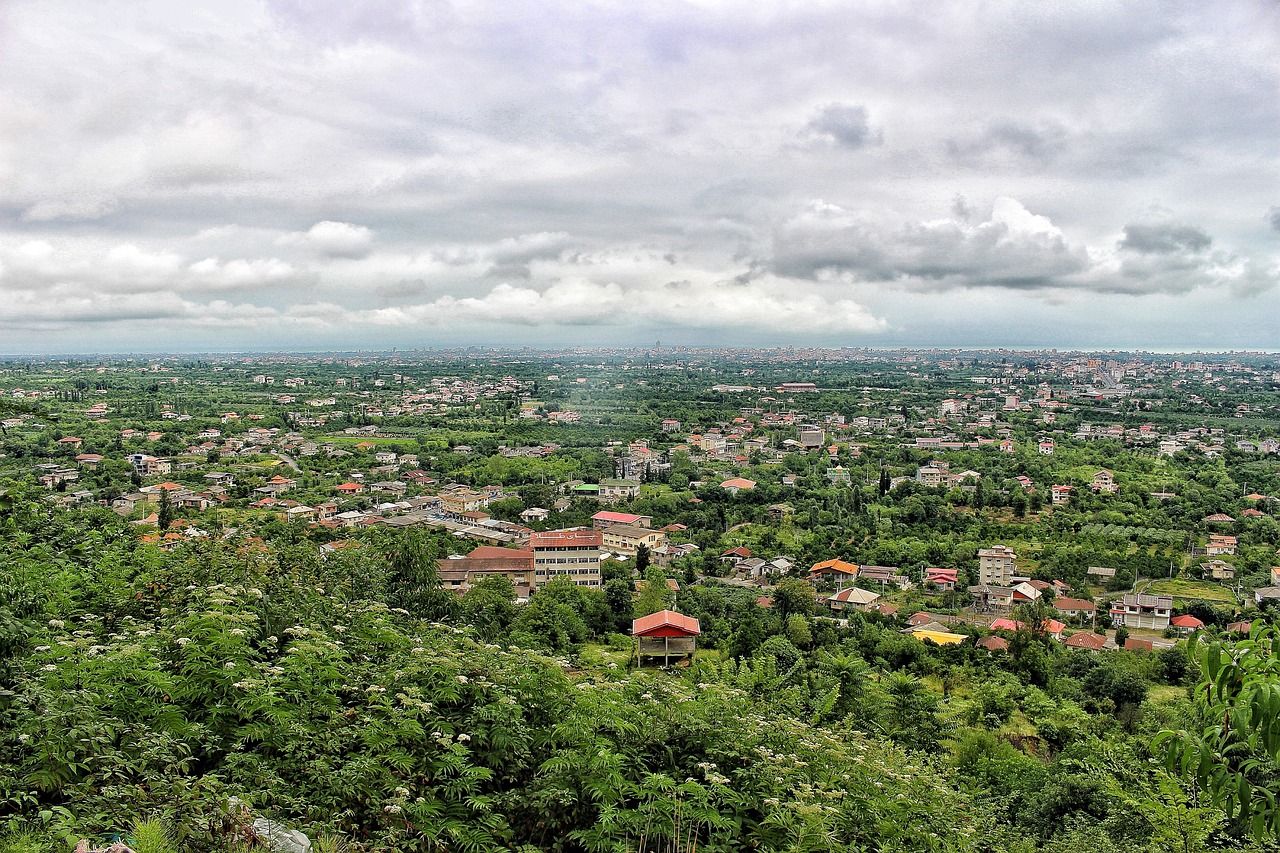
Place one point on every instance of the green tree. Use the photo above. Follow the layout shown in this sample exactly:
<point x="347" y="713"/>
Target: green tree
<point x="793" y="595"/>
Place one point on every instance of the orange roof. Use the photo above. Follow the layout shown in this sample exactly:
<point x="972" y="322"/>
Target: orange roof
<point x="665" y="619"/>
<point x="835" y="566"/>
<point x="738" y="483"/>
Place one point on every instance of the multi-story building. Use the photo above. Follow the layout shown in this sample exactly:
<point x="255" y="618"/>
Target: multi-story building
<point x="627" y="538"/>
<point x="574" y="553"/>
<point x="996" y="565"/>
<point x="1142" y="611"/>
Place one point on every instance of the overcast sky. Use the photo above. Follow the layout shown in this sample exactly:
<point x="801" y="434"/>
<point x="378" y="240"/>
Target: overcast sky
<point x="305" y="174"/>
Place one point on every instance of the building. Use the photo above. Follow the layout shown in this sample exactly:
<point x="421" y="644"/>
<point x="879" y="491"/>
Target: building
<point x="1220" y="545"/>
<point x="1219" y="570"/>
<point x="459" y="575"/>
<point x="666" y="634"/>
<point x="852" y="598"/>
<point x="1076" y="608"/>
<point x="618" y="490"/>
<point x="997" y="565"/>
<point x="1104" y="481"/>
<point x="1142" y="611"/>
<point x="627" y="538"/>
<point x="835" y="571"/>
<point x="607" y="518"/>
<point x="812" y="436"/>
<point x="943" y="579"/>
<point x="990" y="598"/>
<point x="572" y="553"/>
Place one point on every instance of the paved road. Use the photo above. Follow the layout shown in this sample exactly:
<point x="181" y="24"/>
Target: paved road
<point x="288" y="460"/>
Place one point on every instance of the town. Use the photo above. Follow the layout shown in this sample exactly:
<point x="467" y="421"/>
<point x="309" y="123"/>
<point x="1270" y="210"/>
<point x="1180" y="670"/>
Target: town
<point x="1010" y="549"/>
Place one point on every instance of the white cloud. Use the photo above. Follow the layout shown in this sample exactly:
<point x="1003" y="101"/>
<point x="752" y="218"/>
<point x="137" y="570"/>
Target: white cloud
<point x="333" y="239"/>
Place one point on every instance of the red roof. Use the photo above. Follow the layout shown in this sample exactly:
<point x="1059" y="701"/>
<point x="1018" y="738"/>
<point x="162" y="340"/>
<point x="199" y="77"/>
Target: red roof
<point x="616" y="517"/>
<point x="993" y="644"/>
<point x="1086" y="640"/>
<point x="1065" y="604"/>
<point x="1053" y="626"/>
<point x="1186" y="621"/>
<point x="665" y="619"/>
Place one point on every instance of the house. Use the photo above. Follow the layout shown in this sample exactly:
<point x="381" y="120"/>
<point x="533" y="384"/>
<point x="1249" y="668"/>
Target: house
<point x="666" y="634"/>
<point x="1086" y="640"/>
<point x="852" y="598"/>
<point x="607" y="518"/>
<point x="834" y="571"/>
<point x="738" y="484"/>
<point x="989" y="598"/>
<point x="941" y="638"/>
<point x="942" y="578"/>
<point x="996" y="565"/>
<point x="733" y="555"/>
<point x="1076" y="608"/>
<point x="1045" y="447"/>
<point x="1052" y="627"/>
<point x="1102" y="573"/>
<point x="535" y="513"/>
<point x="1219" y="518"/>
<point x="349" y="488"/>
<point x="1061" y="494"/>
<point x="1266" y="593"/>
<point x="1186" y="624"/>
<point x="1104" y="481"/>
<point x="1219" y="570"/>
<point x="670" y="425"/>
<point x="883" y="575"/>
<point x="612" y="491"/>
<point x="993" y="644"/>
<point x="931" y="475"/>
<point x="1142" y="611"/>
<point x="1220" y="545"/>
<point x="885" y="609"/>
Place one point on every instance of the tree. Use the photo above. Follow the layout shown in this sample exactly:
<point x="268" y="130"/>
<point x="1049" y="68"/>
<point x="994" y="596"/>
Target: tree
<point x="1234" y="744"/>
<point x="165" y="515"/>
<point x="793" y="595"/>
<point x="655" y="595"/>
<point x="489" y="606"/>
<point x="643" y="557"/>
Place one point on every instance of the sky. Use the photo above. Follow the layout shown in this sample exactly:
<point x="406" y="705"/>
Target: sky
<point x="334" y="174"/>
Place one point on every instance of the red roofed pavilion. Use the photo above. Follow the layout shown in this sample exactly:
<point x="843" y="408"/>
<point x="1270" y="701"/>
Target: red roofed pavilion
<point x="666" y="634"/>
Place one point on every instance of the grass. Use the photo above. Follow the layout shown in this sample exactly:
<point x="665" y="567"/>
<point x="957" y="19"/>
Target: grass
<point x="1191" y="590"/>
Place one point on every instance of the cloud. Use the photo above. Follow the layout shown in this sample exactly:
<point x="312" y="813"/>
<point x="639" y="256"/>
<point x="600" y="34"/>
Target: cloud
<point x="1013" y="248"/>
<point x="333" y="239"/>
<point x="844" y="125"/>
<point x="1164" y="239"/>
<point x="507" y="170"/>
<point x="1010" y="139"/>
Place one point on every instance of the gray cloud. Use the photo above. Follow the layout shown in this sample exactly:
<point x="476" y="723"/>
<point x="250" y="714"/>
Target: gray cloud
<point x="845" y="125"/>
<point x="338" y="167"/>
<point x="1164" y="239"/>
<point x="1002" y="139"/>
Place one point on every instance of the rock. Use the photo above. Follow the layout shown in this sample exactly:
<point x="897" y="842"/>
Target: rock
<point x="281" y="839"/>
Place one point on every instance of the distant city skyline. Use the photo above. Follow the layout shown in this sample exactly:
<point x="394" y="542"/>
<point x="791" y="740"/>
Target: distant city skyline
<point x="248" y="176"/>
